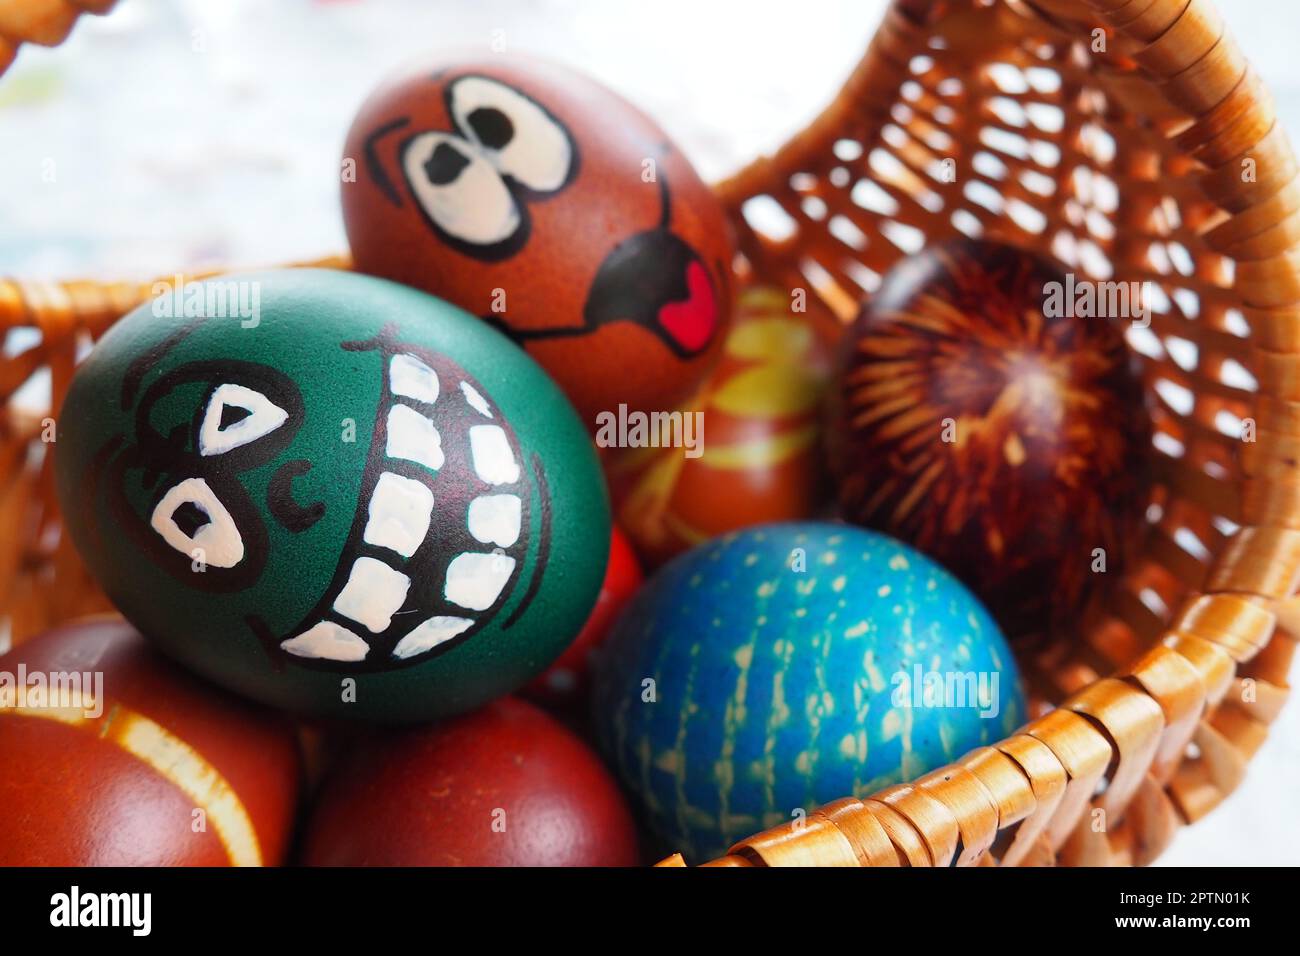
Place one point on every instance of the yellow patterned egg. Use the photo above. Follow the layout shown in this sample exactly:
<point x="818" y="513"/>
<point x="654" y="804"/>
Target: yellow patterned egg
<point x="760" y="458"/>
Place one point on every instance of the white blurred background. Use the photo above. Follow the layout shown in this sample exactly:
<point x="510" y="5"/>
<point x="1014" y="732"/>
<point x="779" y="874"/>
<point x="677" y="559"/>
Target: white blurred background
<point x="208" y="132"/>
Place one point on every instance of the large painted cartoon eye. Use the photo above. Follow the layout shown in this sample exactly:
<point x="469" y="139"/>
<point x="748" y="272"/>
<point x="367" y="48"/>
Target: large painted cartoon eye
<point x="459" y="189"/>
<point x="237" y="415"/>
<point x="520" y="138"/>
<point x="193" y="520"/>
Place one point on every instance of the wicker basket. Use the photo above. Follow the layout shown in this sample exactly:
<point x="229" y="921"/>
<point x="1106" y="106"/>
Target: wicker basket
<point x="1130" y="138"/>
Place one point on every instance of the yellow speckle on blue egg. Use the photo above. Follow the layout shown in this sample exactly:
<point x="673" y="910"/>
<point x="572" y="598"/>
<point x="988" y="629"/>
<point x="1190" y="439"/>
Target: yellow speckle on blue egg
<point x="890" y="726"/>
<point x="872" y="672"/>
<point x="764" y="705"/>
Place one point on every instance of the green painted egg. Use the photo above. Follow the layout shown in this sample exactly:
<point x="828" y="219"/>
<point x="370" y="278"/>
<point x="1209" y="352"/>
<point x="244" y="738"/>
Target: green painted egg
<point x="333" y="494"/>
<point x="775" y="669"/>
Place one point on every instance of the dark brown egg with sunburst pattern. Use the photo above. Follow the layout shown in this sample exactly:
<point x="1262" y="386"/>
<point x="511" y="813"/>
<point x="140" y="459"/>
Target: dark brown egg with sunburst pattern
<point x="989" y="416"/>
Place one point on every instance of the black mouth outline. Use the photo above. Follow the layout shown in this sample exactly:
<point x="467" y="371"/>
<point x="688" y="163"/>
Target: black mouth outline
<point x="426" y="569"/>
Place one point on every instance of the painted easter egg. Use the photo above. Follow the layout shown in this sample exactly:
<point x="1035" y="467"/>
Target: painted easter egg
<point x="781" y="667"/>
<point x="564" y="683"/>
<point x="357" y="502"/>
<point x="760" y="458"/>
<point x="985" y="421"/>
<point x="113" y="756"/>
<point x="537" y="199"/>
<point x="504" y="786"/>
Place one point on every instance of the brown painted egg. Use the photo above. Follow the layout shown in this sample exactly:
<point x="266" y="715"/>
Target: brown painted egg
<point x="983" y="418"/>
<point x="504" y="786"/>
<point x="762" y="458"/>
<point x="537" y="199"/>
<point x="125" y="760"/>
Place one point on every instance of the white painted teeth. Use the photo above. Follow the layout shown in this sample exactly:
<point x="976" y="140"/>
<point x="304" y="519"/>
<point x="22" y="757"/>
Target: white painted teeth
<point x="413" y="437"/>
<point x="493" y="460"/>
<point x="434" y="631"/>
<point x="329" y="641"/>
<point x="409" y="376"/>
<point x="373" y="594"/>
<point x="475" y="581"/>
<point x="495" y="519"/>
<point x="401" y="510"/>
<point x="398" y="520"/>
<point x="235" y="416"/>
<point x="475" y="400"/>
<point x="193" y="520"/>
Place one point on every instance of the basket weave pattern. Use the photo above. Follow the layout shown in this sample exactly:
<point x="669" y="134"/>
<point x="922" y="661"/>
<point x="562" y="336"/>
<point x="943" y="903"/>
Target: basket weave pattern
<point x="1156" y="159"/>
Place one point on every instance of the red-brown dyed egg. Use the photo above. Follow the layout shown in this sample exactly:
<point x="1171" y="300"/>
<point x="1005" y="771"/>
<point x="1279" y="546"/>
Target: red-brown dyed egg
<point x="534" y="197"/>
<point x="144" y="767"/>
<point x="564" y="683"/>
<point x="761" y="456"/>
<point x="1000" y="432"/>
<point x="503" y="786"/>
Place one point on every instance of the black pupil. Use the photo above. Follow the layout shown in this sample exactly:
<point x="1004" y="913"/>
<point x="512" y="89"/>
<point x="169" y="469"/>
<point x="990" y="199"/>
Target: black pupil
<point x="232" y="415"/>
<point x="492" y="127"/>
<point x="444" y="165"/>
<point x="189" y="517"/>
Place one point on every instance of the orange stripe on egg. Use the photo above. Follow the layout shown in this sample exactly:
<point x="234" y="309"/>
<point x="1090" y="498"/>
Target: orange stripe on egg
<point x="173" y="759"/>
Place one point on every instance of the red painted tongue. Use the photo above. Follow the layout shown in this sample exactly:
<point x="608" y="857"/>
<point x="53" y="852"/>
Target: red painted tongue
<point x="691" y="323"/>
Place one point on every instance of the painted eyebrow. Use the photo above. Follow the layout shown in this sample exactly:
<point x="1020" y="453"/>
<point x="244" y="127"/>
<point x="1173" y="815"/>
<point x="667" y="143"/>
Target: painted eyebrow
<point x="375" y="166"/>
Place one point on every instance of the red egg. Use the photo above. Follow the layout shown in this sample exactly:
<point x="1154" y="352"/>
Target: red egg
<point x="141" y="765"/>
<point x="564" y="683"/>
<point x="539" y="200"/>
<point x="503" y="786"/>
<point x="998" y="427"/>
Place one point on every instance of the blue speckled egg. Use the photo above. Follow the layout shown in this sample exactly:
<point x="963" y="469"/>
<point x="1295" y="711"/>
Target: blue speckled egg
<point x="776" y="669"/>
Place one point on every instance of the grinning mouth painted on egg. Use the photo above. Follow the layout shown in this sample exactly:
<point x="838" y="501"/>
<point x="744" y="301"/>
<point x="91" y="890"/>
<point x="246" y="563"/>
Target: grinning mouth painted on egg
<point x="407" y="587"/>
<point x="440" y="536"/>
